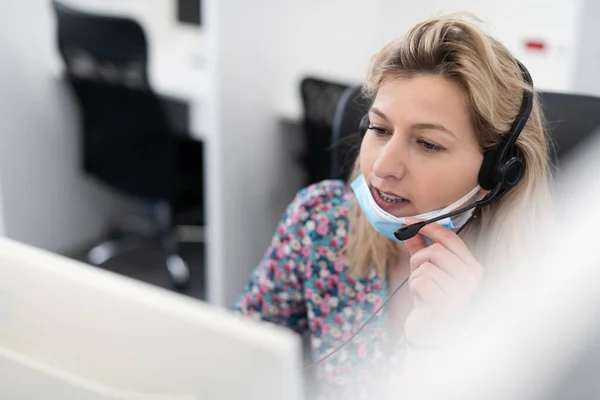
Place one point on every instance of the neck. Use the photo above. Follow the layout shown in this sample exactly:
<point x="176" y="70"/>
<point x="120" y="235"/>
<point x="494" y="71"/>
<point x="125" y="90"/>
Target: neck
<point x="401" y="263"/>
<point x="402" y="252"/>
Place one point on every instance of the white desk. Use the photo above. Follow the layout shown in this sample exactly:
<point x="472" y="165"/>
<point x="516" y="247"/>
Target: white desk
<point x="177" y="69"/>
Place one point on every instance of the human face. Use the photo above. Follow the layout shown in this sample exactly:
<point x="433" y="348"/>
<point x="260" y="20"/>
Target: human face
<point x="420" y="149"/>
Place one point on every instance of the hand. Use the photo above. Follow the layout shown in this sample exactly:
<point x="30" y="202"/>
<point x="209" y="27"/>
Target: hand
<point x="444" y="278"/>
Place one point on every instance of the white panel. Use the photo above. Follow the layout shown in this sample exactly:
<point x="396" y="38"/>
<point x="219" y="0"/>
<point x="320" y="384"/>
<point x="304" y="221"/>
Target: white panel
<point x="47" y="201"/>
<point x="2" y="227"/>
<point x="333" y="38"/>
<point x="513" y="22"/>
<point x="243" y="151"/>
<point x="586" y="74"/>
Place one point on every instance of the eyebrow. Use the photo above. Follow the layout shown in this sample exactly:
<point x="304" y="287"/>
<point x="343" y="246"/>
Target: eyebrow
<point x="418" y="126"/>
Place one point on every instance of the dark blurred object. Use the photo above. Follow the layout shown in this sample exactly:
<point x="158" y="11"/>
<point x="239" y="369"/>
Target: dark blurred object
<point x="319" y="100"/>
<point x="189" y="12"/>
<point x="128" y="143"/>
<point x="571" y="120"/>
<point x="345" y="134"/>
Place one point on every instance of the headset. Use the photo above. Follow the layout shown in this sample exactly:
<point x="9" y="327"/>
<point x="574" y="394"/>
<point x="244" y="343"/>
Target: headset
<point x="502" y="167"/>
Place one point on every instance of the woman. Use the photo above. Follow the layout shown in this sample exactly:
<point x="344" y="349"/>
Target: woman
<point x="442" y="96"/>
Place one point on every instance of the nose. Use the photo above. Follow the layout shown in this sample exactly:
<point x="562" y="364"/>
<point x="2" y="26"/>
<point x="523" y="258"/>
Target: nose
<point x="392" y="159"/>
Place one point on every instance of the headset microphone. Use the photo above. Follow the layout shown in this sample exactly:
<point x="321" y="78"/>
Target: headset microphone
<point x="407" y="232"/>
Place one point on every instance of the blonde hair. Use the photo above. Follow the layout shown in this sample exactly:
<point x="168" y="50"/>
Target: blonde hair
<point x="455" y="47"/>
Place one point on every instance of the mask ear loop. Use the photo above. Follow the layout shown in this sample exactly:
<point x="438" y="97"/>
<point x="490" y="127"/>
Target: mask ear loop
<point x="490" y="198"/>
<point x="471" y="218"/>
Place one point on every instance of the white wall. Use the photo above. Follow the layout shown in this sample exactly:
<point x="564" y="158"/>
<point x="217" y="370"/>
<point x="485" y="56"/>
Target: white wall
<point x="336" y="38"/>
<point x="2" y="225"/>
<point x="46" y="200"/>
<point x="513" y="22"/>
<point x="586" y="75"/>
<point x="333" y="38"/>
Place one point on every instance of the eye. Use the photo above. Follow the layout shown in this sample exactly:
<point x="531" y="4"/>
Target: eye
<point x="430" y="147"/>
<point x="377" y="130"/>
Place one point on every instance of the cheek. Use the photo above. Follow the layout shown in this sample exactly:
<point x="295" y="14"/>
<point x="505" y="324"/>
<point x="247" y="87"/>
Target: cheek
<point x="439" y="186"/>
<point x="433" y="188"/>
<point x="367" y="157"/>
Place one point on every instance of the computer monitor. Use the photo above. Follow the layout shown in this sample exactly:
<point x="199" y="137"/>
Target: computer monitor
<point x="72" y="331"/>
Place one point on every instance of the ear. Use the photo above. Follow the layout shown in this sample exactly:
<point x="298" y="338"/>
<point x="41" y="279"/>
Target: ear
<point x="481" y="194"/>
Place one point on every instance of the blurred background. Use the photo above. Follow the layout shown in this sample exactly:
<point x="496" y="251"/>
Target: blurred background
<point x="163" y="139"/>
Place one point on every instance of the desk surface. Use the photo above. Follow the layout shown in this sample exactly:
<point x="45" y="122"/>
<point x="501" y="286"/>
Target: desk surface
<point x="177" y="66"/>
<point x="177" y="69"/>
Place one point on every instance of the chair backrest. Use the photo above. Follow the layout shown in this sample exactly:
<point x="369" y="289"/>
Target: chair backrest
<point x="319" y="99"/>
<point x="571" y="120"/>
<point x="345" y="133"/>
<point x="127" y="141"/>
<point x="105" y="61"/>
<point x="108" y="49"/>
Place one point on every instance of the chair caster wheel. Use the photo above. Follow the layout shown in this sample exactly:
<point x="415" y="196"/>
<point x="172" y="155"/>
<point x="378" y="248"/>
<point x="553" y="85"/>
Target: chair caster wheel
<point x="180" y="272"/>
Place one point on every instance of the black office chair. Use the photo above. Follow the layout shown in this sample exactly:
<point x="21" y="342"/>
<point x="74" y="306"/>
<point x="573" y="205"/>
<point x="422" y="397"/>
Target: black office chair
<point x="571" y="120"/>
<point x="345" y="132"/>
<point x="128" y="143"/>
<point x="319" y="99"/>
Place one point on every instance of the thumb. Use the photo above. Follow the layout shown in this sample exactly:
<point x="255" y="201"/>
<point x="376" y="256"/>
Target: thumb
<point x="415" y="243"/>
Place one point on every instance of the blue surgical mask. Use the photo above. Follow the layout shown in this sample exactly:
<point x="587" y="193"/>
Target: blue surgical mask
<point x="386" y="224"/>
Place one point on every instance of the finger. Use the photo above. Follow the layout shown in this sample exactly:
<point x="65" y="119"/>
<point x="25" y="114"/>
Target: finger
<point x="443" y="258"/>
<point x="415" y="243"/>
<point x="440" y="277"/>
<point x="429" y="293"/>
<point x="456" y="292"/>
<point x="448" y="239"/>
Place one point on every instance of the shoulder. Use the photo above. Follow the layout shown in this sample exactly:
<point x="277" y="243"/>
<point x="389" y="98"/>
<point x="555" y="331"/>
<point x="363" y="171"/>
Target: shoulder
<point x="317" y="219"/>
<point x="317" y="213"/>
<point x="321" y="197"/>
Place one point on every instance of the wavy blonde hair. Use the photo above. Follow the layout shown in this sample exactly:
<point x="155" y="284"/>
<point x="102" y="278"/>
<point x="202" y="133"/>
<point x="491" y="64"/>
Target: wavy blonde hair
<point x="456" y="47"/>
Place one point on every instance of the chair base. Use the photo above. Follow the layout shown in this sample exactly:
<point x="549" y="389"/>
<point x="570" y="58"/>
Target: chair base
<point x="158" y="227"/>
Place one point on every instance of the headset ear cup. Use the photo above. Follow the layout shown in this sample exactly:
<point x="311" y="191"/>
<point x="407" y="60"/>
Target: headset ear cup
<point x="512" y="172"/>
<point x="487" y="175"/>
<point x="364" y="125"/>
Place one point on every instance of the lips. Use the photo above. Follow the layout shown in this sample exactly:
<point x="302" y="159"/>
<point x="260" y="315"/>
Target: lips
<point x="390" y="196"/>
<point x="388" y="201"/>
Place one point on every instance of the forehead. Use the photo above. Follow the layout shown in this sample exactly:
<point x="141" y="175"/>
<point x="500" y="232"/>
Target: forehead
<point x="426" y="99"/>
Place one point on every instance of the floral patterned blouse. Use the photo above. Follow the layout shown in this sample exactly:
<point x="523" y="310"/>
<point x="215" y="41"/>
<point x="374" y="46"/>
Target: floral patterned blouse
<point x="303" y="283"/>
